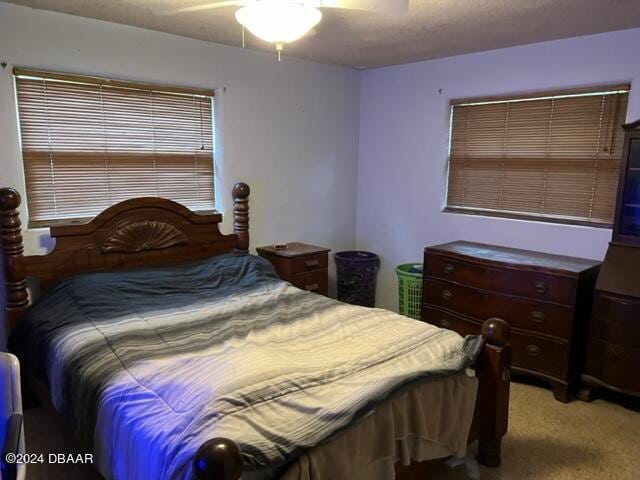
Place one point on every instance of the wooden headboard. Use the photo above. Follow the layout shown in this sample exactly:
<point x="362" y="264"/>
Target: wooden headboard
<point x="138" y="232"/>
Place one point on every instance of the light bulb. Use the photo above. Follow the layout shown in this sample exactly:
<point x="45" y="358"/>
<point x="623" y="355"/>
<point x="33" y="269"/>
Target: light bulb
<point x="278" y="21"/>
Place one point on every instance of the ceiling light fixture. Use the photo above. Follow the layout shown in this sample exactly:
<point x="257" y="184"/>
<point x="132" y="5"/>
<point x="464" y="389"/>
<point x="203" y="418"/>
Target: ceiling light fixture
<point x="279" y="21"/>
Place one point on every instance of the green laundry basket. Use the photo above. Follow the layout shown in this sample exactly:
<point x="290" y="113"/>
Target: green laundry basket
<point x="410" y="289"/>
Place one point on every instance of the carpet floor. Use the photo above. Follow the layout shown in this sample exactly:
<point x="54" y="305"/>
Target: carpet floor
<point x="546" y="440"/>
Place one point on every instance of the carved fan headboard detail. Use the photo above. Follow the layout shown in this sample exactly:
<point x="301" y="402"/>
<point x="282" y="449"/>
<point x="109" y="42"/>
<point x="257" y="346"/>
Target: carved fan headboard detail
<point x="131" y="237"/>
<point x="138" y="232"/>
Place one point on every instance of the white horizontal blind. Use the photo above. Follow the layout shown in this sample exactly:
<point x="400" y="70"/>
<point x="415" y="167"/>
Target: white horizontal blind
<point x="554" y="156"/>
<point x="87" y="146"/>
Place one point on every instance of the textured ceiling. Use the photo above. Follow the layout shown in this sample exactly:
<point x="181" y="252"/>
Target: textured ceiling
<point x="431" y="28"/>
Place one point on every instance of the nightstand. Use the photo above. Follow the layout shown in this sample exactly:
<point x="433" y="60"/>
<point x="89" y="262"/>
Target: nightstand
<point x="302" y="265"/>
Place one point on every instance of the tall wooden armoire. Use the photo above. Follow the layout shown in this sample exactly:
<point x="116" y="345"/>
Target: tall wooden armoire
<point x="613" y="353"/>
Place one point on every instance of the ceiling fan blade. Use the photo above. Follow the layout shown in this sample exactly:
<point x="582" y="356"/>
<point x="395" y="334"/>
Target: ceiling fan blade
<point x="382" y="6"/>
<point x="205" y="6"/>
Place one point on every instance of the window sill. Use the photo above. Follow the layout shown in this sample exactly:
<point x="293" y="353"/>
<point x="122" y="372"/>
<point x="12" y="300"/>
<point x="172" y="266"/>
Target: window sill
<point x="525" y="217"/>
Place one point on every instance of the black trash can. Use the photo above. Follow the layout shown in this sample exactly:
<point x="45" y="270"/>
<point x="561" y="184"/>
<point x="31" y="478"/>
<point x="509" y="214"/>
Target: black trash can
<point x="356" y="280"/>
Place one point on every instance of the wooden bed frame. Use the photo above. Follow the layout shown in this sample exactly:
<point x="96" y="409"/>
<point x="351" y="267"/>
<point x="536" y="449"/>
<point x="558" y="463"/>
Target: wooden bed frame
<point x="153" y="231"/>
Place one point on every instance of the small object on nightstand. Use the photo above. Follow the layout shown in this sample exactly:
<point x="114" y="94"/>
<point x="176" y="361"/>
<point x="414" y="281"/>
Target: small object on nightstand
<point x="303" y="265"/>
<point x="280" y="246"/>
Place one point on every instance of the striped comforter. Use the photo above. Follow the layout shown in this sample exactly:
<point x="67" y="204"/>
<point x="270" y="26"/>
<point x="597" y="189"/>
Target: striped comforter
<point x="148" y="364"/>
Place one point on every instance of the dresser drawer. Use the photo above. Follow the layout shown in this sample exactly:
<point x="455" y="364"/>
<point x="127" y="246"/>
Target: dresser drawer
<point x="614" y="331"/>
<point x="622" y="309"/>
<point x="453" y="322"/>
<point x="539" y="354"/>
<point x="613" y="364"/>
<point x="616" y="319"/>
<point x="532" y="315"/>
<point x="315" y="281"/>
<point x="309" y="263"/>
<point x="529" y="352"/>
<point x="525" y="283"/>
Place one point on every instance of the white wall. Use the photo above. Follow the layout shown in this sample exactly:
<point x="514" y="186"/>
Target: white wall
<point x="288" y="129"/>
<point x="404" y="124"/>
<point x="293" y="130"/>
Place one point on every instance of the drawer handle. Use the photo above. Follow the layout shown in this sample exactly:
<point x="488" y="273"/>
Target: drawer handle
<point x="447" y="295"/>
<point x="613" y="350"/>
<point x="448" y="268"/>
<point x="311" y="263"/>
<point x="537" y="316"/>
<point x="540" y="286"/>
<point x="314" y="287"/>
<point x="444" y="323"/>
<point x="533" y="350"/>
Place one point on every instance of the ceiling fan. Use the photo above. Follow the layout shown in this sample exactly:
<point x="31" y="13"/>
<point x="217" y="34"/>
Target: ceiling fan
<point x="284" y="21"/>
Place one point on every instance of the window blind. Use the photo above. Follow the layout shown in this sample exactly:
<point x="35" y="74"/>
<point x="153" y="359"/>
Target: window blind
<point x="553" y="156"/>
<point x="89" y="143"/>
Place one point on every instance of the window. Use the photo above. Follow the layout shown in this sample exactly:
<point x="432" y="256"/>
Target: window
<point x="553" y="156"/>
<point x="88" y="143"/>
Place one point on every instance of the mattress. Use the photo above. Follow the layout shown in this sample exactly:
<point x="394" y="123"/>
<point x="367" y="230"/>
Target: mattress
<point x="147" y="364"/>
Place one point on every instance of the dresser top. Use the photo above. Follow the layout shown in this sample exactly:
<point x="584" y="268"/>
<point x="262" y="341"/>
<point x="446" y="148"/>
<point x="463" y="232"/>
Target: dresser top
<point x="514" y="256"/>
<point x="294" y="249"/>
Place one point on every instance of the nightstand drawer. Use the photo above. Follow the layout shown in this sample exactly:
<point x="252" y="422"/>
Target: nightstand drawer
<point x="301" y="264"/>
<point x="315" y="281"/>
<point x="309" y="263"/>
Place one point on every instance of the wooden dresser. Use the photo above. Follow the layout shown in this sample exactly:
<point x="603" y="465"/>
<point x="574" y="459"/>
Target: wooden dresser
<point x="546" y="299"/>
<point x="304" y="266"/>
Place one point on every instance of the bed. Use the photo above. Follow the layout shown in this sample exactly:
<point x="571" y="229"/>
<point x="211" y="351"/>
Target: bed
<point x="285" y="381"/>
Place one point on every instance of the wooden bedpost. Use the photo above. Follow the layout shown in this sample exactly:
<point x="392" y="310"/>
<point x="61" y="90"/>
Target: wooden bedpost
<point x="494" y="364"/>
<point x="217" y="459"/>
<point x="12" y="252"/>
<point x="241" y="215"/>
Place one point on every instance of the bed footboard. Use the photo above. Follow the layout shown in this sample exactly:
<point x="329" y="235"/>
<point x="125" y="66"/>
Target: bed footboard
<point x="493" y="367"/>
<point x="220" y="458"/>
